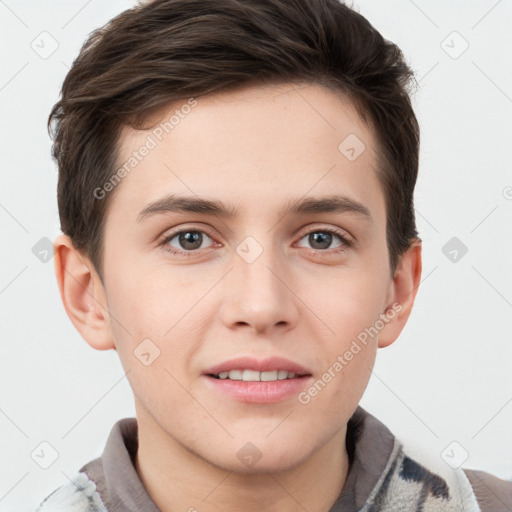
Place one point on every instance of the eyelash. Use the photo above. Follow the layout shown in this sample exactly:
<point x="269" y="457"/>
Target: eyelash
<point x="347" y="243"/>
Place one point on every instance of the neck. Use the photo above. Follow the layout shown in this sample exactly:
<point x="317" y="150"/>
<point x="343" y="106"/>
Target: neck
<point x="178" y="480"/>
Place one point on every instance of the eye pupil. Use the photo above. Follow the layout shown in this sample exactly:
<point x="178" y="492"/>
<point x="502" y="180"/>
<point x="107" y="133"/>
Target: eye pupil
<point x="190" y="237"/>
<point x="321" y="237"/>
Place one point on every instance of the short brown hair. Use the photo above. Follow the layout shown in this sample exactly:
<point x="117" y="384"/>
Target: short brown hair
<point x="167" y="50"/>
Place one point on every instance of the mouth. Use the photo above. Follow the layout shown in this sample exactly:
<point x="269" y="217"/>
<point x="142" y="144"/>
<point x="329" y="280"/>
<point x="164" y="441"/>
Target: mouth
<point x="258" y="381"/>
<point x="250" y="369"/>
<point x="247" y="375"/>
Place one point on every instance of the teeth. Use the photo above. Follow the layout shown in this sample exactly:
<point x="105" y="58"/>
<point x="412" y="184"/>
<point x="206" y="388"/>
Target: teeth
<point x="255" y="376"/>
<point x="265" y="376"/>
<point x="249" y="376"/>
<point x="235" y="375"/>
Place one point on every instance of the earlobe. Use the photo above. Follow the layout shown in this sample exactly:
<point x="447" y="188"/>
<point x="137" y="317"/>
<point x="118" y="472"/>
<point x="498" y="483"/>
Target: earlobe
<point x="82" y="294"/>
<point x="402" y="294"/>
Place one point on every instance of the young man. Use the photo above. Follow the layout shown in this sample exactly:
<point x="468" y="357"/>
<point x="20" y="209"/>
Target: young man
<point x="236" y="185"/>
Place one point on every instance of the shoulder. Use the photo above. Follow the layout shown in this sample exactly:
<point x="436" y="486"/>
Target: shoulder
<point x="78" y="495"/>
<point x="442" y="479"/>
<point x="492" y="493"/>
<point x="417" y="474"/>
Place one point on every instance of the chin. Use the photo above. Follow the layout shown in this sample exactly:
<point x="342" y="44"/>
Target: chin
<point x="259" y="458"/>
<point x="262" y="466"/>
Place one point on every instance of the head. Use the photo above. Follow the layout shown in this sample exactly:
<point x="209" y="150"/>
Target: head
<point x="202" y="148"/>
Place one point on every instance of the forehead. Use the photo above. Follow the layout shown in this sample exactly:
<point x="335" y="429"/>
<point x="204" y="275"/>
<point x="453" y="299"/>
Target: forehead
<point x="251" y="146"/>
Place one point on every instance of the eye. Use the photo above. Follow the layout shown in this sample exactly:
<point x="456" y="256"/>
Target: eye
<point x="322" y="239"/>
<point x="189" y="242"/>
<point x="186" y="242"/>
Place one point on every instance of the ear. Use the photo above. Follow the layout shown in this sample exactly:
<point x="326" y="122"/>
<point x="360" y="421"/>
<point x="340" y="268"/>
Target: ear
<point x="402" y="293"/>
<point x="82" y="294"/>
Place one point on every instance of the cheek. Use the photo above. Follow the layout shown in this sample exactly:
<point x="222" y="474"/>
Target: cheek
<point x="148" y="302"/>
<point x="347" y="303"/>
<point x="153" y="311"/>
<point x="349" y="307"/>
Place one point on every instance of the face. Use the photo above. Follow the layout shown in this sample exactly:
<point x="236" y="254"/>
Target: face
<point x="287" y="270"/>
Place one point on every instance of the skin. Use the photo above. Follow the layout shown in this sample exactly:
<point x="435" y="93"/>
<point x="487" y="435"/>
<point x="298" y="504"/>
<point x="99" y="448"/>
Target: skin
<point x="255" y="149"/>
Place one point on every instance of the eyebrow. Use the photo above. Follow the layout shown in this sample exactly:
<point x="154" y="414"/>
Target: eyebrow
<point x="302" y="206"/>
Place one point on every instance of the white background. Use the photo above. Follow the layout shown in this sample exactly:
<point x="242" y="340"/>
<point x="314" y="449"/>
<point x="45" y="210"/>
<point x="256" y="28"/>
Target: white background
<point x="447" y="378"/>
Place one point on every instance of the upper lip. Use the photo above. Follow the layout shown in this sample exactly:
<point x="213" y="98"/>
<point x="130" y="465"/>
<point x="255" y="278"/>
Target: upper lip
<point x="261" y="365"/>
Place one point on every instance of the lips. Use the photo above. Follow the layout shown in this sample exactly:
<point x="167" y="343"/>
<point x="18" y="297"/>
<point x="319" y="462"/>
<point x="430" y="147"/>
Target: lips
<point x="251" y="369"/>
<point x="257" y="381"/>
<point x="255" y="376"/>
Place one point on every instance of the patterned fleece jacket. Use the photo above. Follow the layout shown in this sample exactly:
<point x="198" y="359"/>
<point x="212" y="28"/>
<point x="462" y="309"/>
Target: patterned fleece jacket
<point x="385" y="475"/>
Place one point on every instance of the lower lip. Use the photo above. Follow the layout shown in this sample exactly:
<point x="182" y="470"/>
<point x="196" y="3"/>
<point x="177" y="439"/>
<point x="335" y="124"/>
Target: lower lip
<point x="269" y="392"/>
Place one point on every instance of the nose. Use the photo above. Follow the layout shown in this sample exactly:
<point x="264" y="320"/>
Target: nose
<point x="259" y="294"/>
